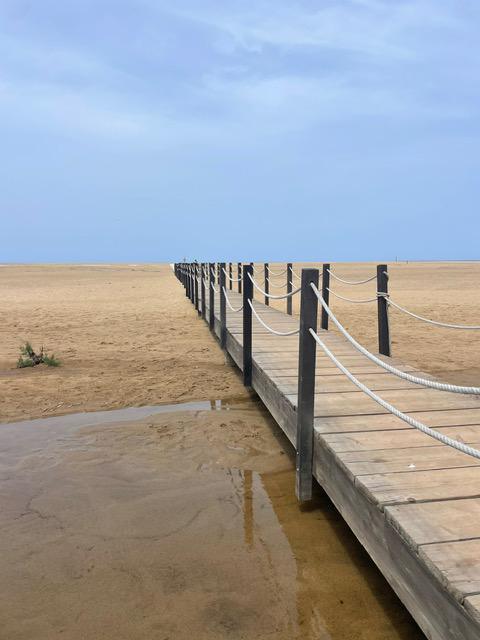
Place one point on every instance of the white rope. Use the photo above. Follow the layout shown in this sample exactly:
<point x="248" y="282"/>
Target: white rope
<point x="231" y="279"/>
<point x="435" y="322"/>
<point x="227" y="300"/>
<point x="350" y="281"/>
<point x="277" y="333"/>
<point x="460" y="446"/>
<point x="273" y="273"/>
<point x="296" y="276"/>
<point x="350" y="299"/>
<point x="433" y="384"/>
<point x="213" y="287"/>
<point x="269" y="295"/>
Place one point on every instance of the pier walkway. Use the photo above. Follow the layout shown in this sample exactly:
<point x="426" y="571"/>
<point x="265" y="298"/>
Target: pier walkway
<point x="412" y="502"/>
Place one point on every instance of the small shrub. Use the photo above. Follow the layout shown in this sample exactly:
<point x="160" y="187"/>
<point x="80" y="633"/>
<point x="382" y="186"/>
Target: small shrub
<point x="29" y="358"/>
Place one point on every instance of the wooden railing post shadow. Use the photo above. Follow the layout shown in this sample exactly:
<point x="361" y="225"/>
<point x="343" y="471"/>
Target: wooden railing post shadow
<point x="223" y="307"/>
<point x="202" y="289"/>
<point x="230" y="273"/>
<point x="289" y="287"/>
<point x="247" y="324"/>
<point x="239" y="276"/>
<point x="382" y="305"/>
<point x="306" y="386"/>
<point x="325" y="294"/>
<point x="211" y="298"/>
<point x="266" y="282"/>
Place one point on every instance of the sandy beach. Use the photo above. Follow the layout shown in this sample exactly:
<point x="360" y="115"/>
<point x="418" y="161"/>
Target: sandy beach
<point x="126" y="337"/>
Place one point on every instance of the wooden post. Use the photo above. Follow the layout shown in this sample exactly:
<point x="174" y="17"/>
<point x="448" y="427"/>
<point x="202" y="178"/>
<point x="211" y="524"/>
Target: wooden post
<point x="289" y="287"/>
<point x="306" y="385"/>
<point x="383" y="326"/>
<point x="187" y="281"/>
<point x="230" y="273"/>
<point x="211" y="299"/>
<point x="325" y="293"/>
<point x="218" y="273"/>
<point x="192" y="280"/>
<point x="197" y="305"/>
<point x="202" y="289"/>
<point x="247" y="325"/>
<point x="223" y="307"/>
<point x="266" y="283"/>
<point x="239" y="276"/>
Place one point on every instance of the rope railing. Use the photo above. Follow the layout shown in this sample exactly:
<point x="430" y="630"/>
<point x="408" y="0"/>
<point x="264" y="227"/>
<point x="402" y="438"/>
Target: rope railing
<point x="277" y="333"/>
<point x="231" y="279"/>
<point x="437" y="323"/>
<point x="455" y="444"/>
<point x="337" y="295"/>
<point x="352" y="282"/>
<point x="273" y="273"/>
<point x="269" y="295"/>
<point x="433" y="384"/>
<point x="229" y="304"/>
<point x="213" y="287"/>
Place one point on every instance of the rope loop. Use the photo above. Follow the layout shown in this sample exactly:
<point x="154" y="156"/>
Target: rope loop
<point x="227" y="300"/>
<point x="353" y="282"/>
<point x="269" y="295"/>
<point x="277" y="333"/>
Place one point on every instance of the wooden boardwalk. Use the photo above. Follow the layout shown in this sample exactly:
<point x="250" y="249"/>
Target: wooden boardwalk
<point x="413" y="503"/>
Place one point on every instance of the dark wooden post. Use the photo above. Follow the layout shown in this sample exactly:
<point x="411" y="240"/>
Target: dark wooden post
<point x="230" y="272"/>
<point x="289" y="287"/>
<point x="247" y="325"/>
<point x="382" y="305"/>
<point x="211" y="298"/>
<point x="325" y="293"/>
<point x="223" y="307"/>
<point x="192" y="284"/>
<point x="197" y="304"/>
<point x="239" y="276"/>
<point x="202" y="289"/>
<point x="266" y="282"/>
<point x="187" y="281"/>
<point x="218" y="273"/>
<point x="306" y="385"/>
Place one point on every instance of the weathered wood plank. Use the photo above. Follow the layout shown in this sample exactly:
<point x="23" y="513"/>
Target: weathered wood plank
<point x="443" y="521"/>
<point x="445" y="484"/>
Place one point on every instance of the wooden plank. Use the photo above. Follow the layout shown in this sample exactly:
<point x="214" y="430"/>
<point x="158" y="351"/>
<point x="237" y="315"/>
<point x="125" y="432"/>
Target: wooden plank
<point x="347" y="424"/>
<point x="372" y="441"/>
<point x="456" y="565"/>
<point x="339" y="383"/>
<point x="397" y="488"/>
<point x="408" y="460"/>
<point x="472" y="605"/>
<point x="350" y="403"/>
<point x="444" y="521"/>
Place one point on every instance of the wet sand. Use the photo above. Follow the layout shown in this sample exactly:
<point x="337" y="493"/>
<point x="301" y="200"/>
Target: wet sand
<point x="175" y="526"/>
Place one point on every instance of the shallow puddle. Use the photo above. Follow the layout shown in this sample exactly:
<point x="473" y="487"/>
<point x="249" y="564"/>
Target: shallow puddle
<point x="180" y="524"/>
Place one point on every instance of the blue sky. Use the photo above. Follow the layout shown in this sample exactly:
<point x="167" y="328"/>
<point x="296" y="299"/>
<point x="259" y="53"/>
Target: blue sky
<point x="147" y="130"/>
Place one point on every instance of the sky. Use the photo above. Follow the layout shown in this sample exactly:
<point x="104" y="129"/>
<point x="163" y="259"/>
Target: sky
<point x="152" y="130"/>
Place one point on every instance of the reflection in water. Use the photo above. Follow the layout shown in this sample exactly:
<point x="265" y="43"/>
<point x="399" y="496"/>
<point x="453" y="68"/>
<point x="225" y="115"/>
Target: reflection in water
<point x="178" y="526"/>
<point x="248" y="507"/>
